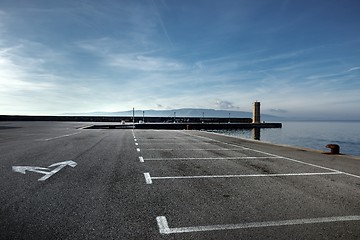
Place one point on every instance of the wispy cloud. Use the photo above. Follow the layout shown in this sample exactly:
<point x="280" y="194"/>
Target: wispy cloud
<point x="120" y="54"/>
<point x="21" y="73"/>
<point x="162" y="23"/>
<point x="2" y="20"/>
<point x="281" y="111"/>
<point x="144" y="63"/>
<point x="353" y="69"/>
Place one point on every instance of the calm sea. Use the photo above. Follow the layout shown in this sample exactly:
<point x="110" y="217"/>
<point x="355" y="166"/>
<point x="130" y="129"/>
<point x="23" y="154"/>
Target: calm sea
<point x="314" y="135"/>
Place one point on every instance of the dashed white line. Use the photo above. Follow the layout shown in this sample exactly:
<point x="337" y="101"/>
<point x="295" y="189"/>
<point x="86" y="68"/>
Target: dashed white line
<point x="141" y="159"/>
<point x="165" y="229"/>
<point x="163" y="225"/>
<point x="136" y="144"/>
<point x="147" y="178"/>
<point x="138" y="149"/>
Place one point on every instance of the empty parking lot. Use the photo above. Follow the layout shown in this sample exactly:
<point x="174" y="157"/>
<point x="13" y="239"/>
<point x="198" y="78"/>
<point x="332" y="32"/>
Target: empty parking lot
<point x="147" y="184"/>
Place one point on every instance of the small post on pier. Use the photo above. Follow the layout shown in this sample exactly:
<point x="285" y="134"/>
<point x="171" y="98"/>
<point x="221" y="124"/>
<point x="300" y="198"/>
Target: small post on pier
<point x="256" y="112"/>
<point x="133" y="118"/>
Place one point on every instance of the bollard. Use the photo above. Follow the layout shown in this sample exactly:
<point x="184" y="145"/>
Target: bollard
<point x="334" y="148"/>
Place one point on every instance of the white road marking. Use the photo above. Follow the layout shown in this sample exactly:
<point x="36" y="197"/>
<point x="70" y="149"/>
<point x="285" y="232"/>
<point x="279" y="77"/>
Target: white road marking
<point x="209" y="158"/>
<point x="138" y="149"/>
<point x="85" y="127"/>
<point x="141" y="159"/>
<point x="136" y="144"/>
<point x="248" y="175"/>
<point x="62" y="136"/>
<point x="191" y="149"/>
<point x="23" y="169"/>
<point x="158" y="139"/>
<point x="351" y="175"/>
<point x="165" y="229"/>
<point x="147" y="178"/>
<point x="179" y="143"/>
<point x="60" y="165"/>
<point x="305" y="163"/>
<point x="274" y="155"/>
<point x="135" y="139"/>
<point x="163" y="225"/>
<point x="293" y="160"/>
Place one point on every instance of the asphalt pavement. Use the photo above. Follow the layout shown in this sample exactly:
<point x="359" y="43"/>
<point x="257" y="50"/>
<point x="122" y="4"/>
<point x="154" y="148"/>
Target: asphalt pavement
<point x="61" y="181"/>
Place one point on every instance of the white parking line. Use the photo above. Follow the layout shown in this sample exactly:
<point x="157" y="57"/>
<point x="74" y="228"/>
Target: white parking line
<point x="147" y="176"/>
<point x="141" y="159"/>
<point x="209" y="158"/>
<point x="305" y="163"/>
<point x="151" y="139"/>
<point x="274" y="155"/>
<point x="189" y="149"/>
<point x="178" y="143"/>
<point x="165" y="229"/>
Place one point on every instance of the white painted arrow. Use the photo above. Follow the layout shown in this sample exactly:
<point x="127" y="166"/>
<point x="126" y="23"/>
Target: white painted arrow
<point x="70" y="163"/>
<point x="60" y="165"/>
<point x="22" y="169"/>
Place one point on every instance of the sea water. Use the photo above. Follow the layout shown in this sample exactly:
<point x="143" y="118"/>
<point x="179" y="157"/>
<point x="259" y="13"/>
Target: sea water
<point x="314" y="135"/>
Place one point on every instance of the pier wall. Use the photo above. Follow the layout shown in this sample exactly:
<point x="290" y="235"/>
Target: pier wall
<point x="189" y="126"/>
<point x="124" y="118"/>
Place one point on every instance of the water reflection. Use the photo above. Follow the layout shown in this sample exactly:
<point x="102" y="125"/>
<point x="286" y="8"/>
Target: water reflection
<point x="256" y="133"/>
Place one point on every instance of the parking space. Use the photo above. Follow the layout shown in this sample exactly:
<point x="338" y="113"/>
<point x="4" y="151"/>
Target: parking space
<point x="226" y="188"/>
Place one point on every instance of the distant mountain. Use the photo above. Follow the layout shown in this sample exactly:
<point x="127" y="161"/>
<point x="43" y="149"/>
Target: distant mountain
<point x="183" y="112"/>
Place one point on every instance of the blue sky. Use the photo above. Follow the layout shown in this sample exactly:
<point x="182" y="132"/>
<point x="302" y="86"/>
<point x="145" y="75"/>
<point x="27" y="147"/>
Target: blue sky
<point x="300" y="59"/>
